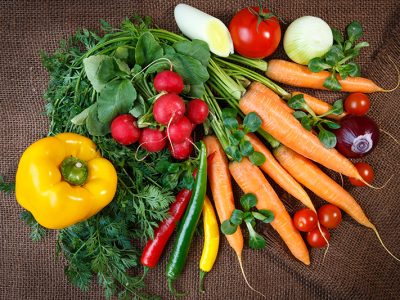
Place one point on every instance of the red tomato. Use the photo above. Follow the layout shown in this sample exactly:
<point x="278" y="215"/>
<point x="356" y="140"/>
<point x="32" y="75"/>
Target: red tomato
<point x="329" y="216"/>
<point x="305" y="220"/>
<point x="315" y="238"/>
<point x="252" y="40"/>
<point x="357" y="104"/>
<point x="366" y="172"/>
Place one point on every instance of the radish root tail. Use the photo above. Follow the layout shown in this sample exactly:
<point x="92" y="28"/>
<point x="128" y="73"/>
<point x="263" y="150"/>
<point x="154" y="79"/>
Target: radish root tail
<point x="245" y="279"/>
<point x="383" y="245"/>
<point x="398" y="77"/>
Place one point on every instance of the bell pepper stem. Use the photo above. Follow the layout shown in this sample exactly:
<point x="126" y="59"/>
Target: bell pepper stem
<point x="74" y="170"/>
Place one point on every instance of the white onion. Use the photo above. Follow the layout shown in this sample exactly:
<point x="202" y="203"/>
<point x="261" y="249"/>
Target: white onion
<point x="307" y="37"/>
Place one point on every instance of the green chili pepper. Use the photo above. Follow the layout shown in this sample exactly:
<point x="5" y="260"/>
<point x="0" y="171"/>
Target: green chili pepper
<point x="187" y="227"/>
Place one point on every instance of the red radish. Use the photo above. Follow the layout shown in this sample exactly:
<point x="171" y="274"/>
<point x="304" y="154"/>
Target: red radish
<point x="168" y="109"/>
<point x="182" y="151"/>
<point x="124" y="129"/>
<point x="153" y="140"/>
<point x="197" y="111"/>
<point x="169" y="82"/>
<point x="179" y="131"/>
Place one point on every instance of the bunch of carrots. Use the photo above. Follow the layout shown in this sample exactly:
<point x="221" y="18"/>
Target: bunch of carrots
<point x="289" y="160"/>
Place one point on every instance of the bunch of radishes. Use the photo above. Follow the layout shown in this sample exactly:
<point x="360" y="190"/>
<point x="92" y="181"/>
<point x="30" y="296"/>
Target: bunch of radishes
<point x="169" y="113"/>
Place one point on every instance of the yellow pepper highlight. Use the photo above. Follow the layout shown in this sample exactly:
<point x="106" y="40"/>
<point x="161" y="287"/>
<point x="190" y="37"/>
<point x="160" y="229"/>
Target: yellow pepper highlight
<point x="211" y="240"/>
<point x="41" y="188"/>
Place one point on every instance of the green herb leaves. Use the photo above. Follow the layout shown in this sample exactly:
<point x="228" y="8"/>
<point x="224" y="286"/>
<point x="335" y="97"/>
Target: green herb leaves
<point x="248" y="201"/>
<point x="6" y="187"/>
<point x="147" y="49"/>
<point x="339" y="60"/>
<point x="311" y="121"/>
<point x="115" y="98"/>
<point x="239" y="147"/>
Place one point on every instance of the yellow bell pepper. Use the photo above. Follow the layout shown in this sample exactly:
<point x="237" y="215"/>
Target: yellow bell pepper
<point x="63" y="180"/>
<point x="211" y="240"/>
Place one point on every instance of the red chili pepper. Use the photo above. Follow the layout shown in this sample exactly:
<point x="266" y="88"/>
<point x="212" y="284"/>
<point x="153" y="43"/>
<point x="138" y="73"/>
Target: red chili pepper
<point x="154" y="248"/>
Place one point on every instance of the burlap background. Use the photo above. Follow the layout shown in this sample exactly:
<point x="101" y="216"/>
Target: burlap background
<point x="356" y="266"/>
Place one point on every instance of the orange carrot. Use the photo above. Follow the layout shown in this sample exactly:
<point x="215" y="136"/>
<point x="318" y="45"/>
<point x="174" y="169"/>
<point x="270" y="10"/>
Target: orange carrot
<point x="221" y="188"/>
<point x="308" y="174"/>
<point x="319" y="106"/>
<point x="274" y="170"/>
<point x="294" y="74"/>
<point x="284" y="127"/>
<point x="259" y="87"/>
<point x="251" y="180"/>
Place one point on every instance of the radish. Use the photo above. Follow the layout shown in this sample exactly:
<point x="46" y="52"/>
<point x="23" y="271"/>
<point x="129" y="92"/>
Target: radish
<point x="181" y="151"/>
<point x="168" y="109"/>
<point x="168" y="81"/>
<point x="179" y="131"/>
<point x="197" y="111"/>
<point x="124" y="129"/>
<point x="153" y="140"/>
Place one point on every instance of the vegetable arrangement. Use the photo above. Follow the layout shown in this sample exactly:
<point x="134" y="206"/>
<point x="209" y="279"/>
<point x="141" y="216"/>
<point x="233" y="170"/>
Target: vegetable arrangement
<point x="117" y="173"/>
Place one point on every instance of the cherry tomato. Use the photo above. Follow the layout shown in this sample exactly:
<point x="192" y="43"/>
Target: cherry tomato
<point x="366" y="172"/>
<point x="251" y="39"/>
<point x="315" y="238"/>
<point x="357" y="104"/>
<point x="305" y="220"/>
<point x="329" y="216"/>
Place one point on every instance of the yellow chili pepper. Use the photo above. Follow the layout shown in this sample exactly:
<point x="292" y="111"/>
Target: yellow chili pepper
<point x="211" y="240"/>
<point x="63" y="180"/>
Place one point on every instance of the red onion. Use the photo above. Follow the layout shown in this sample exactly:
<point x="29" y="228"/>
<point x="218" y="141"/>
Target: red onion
<point x="357" y="136"/>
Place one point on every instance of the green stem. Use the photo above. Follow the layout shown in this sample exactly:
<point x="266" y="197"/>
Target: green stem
<point x="101" y="45"/>
<point x="167" y="35"/>
<point x="259" y="64"/>
<point x="256" y="77"/>
<point x="202" y="275"/>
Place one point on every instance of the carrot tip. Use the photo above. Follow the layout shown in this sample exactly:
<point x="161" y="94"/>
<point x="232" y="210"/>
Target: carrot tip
<point x="398" y="78"/>
<point x="245" y="279"/>
<point x="375" y="187"/>
<point x="383" y="245"/>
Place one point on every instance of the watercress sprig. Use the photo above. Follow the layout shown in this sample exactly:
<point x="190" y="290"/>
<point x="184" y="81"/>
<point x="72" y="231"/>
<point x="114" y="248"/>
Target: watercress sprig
<point x="310" y="120"/>
<point x="248" y="201"/>
<point x="239" y="146"/>
<point x="339" y="60"/>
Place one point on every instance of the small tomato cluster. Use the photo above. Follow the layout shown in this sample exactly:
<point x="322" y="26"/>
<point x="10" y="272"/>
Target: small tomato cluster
<point x="169" y="112"/>
<point x="306" y="220"/>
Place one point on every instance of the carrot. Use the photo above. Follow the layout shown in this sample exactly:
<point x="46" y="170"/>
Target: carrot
<point x="221" y="188"/>
<point x="259" y="87"/>
<point x="297" y="75"/>
<point x="284" y="127"/>
<point x="308" y="174"/>
<point x="251" y="180"/>
<point x="319" y="106"/>
<point x="274" y="170"/>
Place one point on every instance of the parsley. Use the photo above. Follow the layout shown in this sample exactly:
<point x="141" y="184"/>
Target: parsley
<point x="6" y="187"/>
<point x="85" y="72"/>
